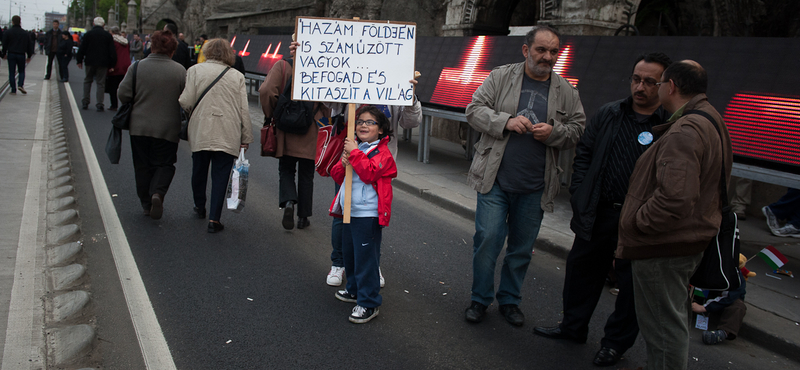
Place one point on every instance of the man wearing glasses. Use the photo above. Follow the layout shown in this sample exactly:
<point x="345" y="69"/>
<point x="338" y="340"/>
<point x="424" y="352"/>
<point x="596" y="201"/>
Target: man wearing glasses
<point x="526" y="113"/>
<point x="604" y="159"/>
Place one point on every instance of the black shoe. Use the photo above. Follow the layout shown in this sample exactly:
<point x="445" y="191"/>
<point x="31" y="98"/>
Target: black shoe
<point x="157" y="206"/>
<point x="345" y="296"/>
<point x="288" y="216"/>
<point x="112" y="108"/>
<point x="512" y="314"/>
<point x="214" y="227"/>
<point x="302" y="222"/>
<point x="47" y="78"/>
<point x="606" y="357"/>
<point x="100" y="109"/>
<point x="201" y="212"/>
<point x="555" y="333"/>
<point x="85" y="107"/>
<point x="475" y="312"/>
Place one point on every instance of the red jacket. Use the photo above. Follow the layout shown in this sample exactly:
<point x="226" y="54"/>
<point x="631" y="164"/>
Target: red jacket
<point x="123" y="60"/>
<point x="376" y="168"/>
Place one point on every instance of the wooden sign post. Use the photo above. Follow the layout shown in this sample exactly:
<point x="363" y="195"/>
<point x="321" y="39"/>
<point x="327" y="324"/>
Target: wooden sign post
<point x="353" y="62"/>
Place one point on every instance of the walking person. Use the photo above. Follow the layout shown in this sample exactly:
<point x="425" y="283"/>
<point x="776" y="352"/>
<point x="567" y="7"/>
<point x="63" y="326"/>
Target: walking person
<point x="51" y="41"/>
<point x="296" y="152"/>
<point x="16" y="45"/>
<point x="604" y="159"/>
<point x="99" y="52"/>
<point x="526" y="113"/>
<point x="155" y="121"/>
<point x="64" y="54"/>
<point x="370" y="210"/>
<point x="219" y="126"/>
<point x="116" y="73"/>
<point x="137" y="48"/>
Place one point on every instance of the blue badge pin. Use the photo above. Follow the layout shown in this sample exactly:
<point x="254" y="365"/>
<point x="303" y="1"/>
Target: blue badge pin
<point x="645" y="138"/>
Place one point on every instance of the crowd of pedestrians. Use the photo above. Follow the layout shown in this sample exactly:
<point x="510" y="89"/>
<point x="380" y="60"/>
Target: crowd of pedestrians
<point x="644" y="191"/>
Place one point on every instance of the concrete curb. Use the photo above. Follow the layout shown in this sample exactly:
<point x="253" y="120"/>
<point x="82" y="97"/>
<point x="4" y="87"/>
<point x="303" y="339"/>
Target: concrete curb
<point x="755" y="326"/>
<point x="69" y="329"/>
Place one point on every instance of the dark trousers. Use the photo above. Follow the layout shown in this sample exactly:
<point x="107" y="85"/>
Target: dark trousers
<point x="50" y="58"/>
<point x="153" y="165"/>
<point x="361" y="248"/>
<point x="63" y="67"/>
<point x="221" y="164"/>
<point x="112" y="84"/>
<point x="98" y="75"/>
<point x="336" y="237"/>
<point x="16" y="64"/>
<point x="731" y="318"/>
<point x="786" y="208"/>
<point x="302" y="193"/>
<point x="587" y="267"/>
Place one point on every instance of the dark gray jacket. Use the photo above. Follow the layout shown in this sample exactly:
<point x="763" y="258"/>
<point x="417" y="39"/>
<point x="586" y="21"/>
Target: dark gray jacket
<point x="159" y="83"/>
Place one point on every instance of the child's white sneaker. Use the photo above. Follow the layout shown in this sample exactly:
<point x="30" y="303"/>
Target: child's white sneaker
<point x="383" y="282"/>
<point x="363" y="315"/>
<point x="335" y="276"/>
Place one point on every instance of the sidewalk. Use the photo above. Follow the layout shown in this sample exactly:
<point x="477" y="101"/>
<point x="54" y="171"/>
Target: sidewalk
<point x="772" y="316"/>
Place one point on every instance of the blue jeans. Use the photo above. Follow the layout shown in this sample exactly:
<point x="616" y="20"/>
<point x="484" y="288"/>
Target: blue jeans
<point x="336" y="237"/>
<point x="16" y="62"/>
<point x="361" y="248"/>
<point x="788" y="207"/>
<point x="500" y="214"/>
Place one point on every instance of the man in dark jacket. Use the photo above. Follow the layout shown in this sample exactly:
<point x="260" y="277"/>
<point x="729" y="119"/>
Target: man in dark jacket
<point x="51" y="41"/>
<point x="16" y="43"/>
<point x="64" y="54"/>
<point x="605" y="156"/>
<point x="181" y="54"/>
<point x="673" y="210"/>
<point x="98" y="49"/>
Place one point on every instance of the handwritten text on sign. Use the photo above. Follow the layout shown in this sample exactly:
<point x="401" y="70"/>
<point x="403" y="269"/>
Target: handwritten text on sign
<point x="354" y="61"/>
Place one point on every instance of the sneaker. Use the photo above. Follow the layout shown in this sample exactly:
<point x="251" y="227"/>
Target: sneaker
<point x="22" y="90"/>
<point x="345" y="296"/>
<point x="13" y="93"/>
<point x="787" y="230"/>
<point x="335" y="276"/>
<point x="362" y="315"/>
<point x="714" y="336"/>
<point x="383" y="282"/>
<point x="772" y="221"/>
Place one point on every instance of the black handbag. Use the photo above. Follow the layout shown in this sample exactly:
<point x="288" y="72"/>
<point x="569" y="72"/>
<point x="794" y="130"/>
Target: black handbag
<point x="114" y="145"/>
<point x="122" y="119"/>
<point x="719" y="268"/>
<point x="185" y="117"/>
<point x="293" y="116"/>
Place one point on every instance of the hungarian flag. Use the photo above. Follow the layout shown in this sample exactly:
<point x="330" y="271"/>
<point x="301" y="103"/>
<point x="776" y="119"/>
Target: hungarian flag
<point x="772" y="257"/>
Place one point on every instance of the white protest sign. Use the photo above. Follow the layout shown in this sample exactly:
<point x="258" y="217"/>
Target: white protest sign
<point x="351" y="61"/>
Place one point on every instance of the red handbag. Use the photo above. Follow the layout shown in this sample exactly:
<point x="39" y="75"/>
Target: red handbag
<point x="330" y="143"/>
<point x="269" y="142"/>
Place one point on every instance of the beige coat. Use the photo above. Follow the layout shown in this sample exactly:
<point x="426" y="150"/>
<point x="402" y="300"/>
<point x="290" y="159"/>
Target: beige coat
<point x="221" y="122"/>
<point x="496" y="101"/>
<point x="300" y="146"/>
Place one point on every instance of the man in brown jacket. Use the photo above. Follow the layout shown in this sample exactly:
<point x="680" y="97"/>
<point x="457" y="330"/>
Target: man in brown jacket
<point x="672" y="211"/>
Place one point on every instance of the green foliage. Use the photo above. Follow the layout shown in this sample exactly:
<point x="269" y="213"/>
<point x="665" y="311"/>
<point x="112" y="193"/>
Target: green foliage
<point x="77" y="8"/>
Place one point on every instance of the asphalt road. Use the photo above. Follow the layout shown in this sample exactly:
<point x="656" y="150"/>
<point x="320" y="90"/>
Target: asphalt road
<point x="254" y="296"/>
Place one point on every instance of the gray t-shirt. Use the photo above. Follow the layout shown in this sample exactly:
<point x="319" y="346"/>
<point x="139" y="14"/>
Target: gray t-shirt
<point x="522" y="168"/>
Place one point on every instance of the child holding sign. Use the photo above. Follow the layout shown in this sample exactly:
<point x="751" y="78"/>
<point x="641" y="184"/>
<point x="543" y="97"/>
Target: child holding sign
<point x="371" y="203"/>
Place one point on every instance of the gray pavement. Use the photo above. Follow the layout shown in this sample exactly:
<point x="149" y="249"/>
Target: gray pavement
<point x="772" y="318"/>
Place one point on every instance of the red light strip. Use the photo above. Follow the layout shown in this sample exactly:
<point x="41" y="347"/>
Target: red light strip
<point x="456" y="85"/>
<point x="765" y="126"/>
<point x="564" y="62"/>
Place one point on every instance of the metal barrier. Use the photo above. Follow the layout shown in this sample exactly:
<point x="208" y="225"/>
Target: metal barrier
<point x="424" y="148"/>
<point x="254" y="81"/>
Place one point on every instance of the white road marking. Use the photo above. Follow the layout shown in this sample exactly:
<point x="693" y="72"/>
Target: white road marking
<point x="17" y="353"/>
<point x="151" y="339"/>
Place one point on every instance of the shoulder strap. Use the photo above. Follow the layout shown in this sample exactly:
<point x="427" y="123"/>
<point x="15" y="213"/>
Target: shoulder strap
<point x="134" y="79"/>
<point x="210" y="86"/>
<point x="723" y="188"/>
